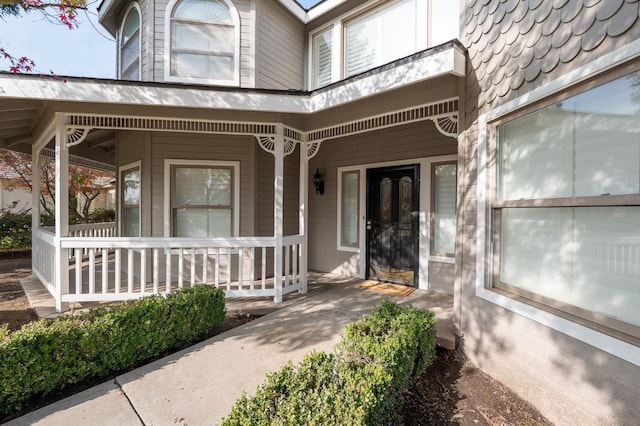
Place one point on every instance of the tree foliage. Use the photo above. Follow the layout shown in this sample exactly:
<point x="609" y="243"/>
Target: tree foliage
<point x="85" y="184"/>
<point x="62" y="12"/>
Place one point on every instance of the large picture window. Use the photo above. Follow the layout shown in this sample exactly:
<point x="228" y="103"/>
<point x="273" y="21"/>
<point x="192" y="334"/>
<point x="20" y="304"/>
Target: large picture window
<point x="203" y="41"/>
<point x="130" y="200"/>
<point x="566" y="213"/>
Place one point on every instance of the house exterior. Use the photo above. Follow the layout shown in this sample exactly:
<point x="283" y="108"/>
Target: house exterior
<point x="484" y="148"/>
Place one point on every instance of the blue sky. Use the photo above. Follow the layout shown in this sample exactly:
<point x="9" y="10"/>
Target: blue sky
<point x="87" y="51"/>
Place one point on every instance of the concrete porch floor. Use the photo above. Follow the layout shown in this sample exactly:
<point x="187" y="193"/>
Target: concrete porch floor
<point x="200" y="384"/>
<point x="331" y="289"/>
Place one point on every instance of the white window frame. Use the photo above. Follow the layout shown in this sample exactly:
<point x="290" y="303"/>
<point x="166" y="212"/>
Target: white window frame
<point x="121" y="170"/>
<point x="133" y="6"/>
<point x="236" y="54"/>
<point x="423" y="18"/>
<point x="168" y="179"/>
<point x="598" y="339"/>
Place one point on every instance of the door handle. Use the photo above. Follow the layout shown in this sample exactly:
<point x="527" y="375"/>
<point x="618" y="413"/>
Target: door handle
<point x="369" y="224"/>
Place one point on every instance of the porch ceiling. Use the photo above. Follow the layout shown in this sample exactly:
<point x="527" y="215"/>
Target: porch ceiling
<point x="17" y="120"/>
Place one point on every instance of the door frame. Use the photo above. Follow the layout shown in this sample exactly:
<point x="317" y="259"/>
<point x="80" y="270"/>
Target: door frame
<point x="424" y="253"/>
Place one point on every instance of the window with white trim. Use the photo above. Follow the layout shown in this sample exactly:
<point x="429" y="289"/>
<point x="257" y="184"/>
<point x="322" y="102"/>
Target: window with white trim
<point x="130" y="46"/>
<point x="130" y="200"/>
<point x="566" y="207"/>
<point x="380" y="35"/>
<point x="203" y="41"/>
<point x="202" y="200"/>
<point x="349" y="209"/>
<point x="322" y="57"/>
<point x="443" y="208"/>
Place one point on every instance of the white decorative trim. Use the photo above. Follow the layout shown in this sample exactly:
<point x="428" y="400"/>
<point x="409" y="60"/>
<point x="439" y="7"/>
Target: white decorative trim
<point x="431" y="111"/>
<point x="312" y="149"/>
<point x="104" y="121"/>
<point x="75" y="136"/>
<point x="268" y="143"/>
<point x="587" y="335"/>
<point x="447" y="125"/>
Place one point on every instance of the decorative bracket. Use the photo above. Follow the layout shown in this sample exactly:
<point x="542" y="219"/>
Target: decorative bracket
<point x="312" y="149"/>
<point x="76" y="135"/>
<point x="268" y="143"/>
<point x="447" y="125"/>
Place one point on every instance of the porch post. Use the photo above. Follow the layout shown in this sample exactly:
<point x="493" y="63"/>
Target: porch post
<point x="278" y="204"/>
<point x="35" y="195"/>
<point x="62" y="212"/>
<point x="303" y="213"/>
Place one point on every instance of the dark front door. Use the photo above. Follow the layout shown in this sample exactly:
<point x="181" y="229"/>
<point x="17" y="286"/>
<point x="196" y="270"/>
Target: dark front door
<point x="392" y="224"/>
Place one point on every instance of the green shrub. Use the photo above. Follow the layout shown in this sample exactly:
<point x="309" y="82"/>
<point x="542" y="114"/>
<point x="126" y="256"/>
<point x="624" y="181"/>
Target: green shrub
<point x="359" y="384"/>
<point x="48" y="355"/>
<point x="102" y="215"/>
<point x="15" y="229"/>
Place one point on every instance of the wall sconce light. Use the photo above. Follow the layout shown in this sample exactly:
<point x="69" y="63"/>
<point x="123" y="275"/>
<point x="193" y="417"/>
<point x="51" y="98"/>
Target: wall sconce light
<point x="318" y="183"/>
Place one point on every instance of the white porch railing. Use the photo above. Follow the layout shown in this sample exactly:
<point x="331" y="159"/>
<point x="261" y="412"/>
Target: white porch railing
<point x="117" y="268"/>
<point x="95" y="230"/>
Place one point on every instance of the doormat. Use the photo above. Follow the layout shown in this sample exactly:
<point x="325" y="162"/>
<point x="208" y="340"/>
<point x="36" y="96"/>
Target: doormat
<point x="386" y="288"/>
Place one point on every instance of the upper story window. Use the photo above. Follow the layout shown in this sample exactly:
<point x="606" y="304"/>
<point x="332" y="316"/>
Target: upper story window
<point x="130" y="46"/>
<point x="379" y="36"/>
<point x="377" y="33"/>
<point x="203" y="42"/>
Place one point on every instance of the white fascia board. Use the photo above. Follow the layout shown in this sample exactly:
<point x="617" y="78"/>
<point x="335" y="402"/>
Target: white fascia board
<point x="320" y="9"/>
<point x="448" y="61"/>
<point x="114" y="93"/>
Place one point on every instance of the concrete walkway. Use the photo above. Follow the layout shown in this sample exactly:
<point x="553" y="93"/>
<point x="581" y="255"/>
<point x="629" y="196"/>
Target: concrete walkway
<point x="199" y="385"/>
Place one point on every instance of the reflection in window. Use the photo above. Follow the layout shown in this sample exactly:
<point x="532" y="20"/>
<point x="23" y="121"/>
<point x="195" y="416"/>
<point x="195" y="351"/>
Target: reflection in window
<point x="382" y="35"/>
<point x="203" y="40"/>
<point x="130" y="46"/>
<point x="322" y="58"/>
<point x="443" y="209"/>
<point x="130" y="202"/>
<point x="350" y="211"/>
<point x="202" y="201"/>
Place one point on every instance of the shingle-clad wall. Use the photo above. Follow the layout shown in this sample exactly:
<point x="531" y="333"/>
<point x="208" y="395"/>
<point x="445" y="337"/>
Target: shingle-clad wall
<point x="515" y="46"/>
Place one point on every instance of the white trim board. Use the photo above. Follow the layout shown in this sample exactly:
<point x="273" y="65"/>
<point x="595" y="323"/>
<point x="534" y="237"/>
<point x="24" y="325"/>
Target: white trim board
<point x="587" y="335"/>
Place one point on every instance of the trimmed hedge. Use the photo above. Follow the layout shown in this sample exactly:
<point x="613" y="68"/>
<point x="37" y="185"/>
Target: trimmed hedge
<point x="360" y="383"/>
<point x="45" y="356"/>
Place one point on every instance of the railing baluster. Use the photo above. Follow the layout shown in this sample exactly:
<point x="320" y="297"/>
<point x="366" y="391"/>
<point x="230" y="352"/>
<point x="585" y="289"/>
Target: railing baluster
<point x="180" y="267"/>
<point x="92" y="271"/>
<point x="168" y="271"/>
<point x="205" y="261"/>
<point x="193" y="266"/>
<point x="229" y="251"/>
<point x="130" y="270"/>
<point x="264" y="268"/>
<point x="78" y="271"/>
<point x="252" y="267"/>
<point x="143" y="271"/>
<point x="295" y="259"/>
<point x="105" y="271"/>
<point x="217" y="268"/>
<point x="118" y="269"/>
<point x="287" y="255"/>
<point x="156" y="270"/>
<point x="240" y="266"/>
